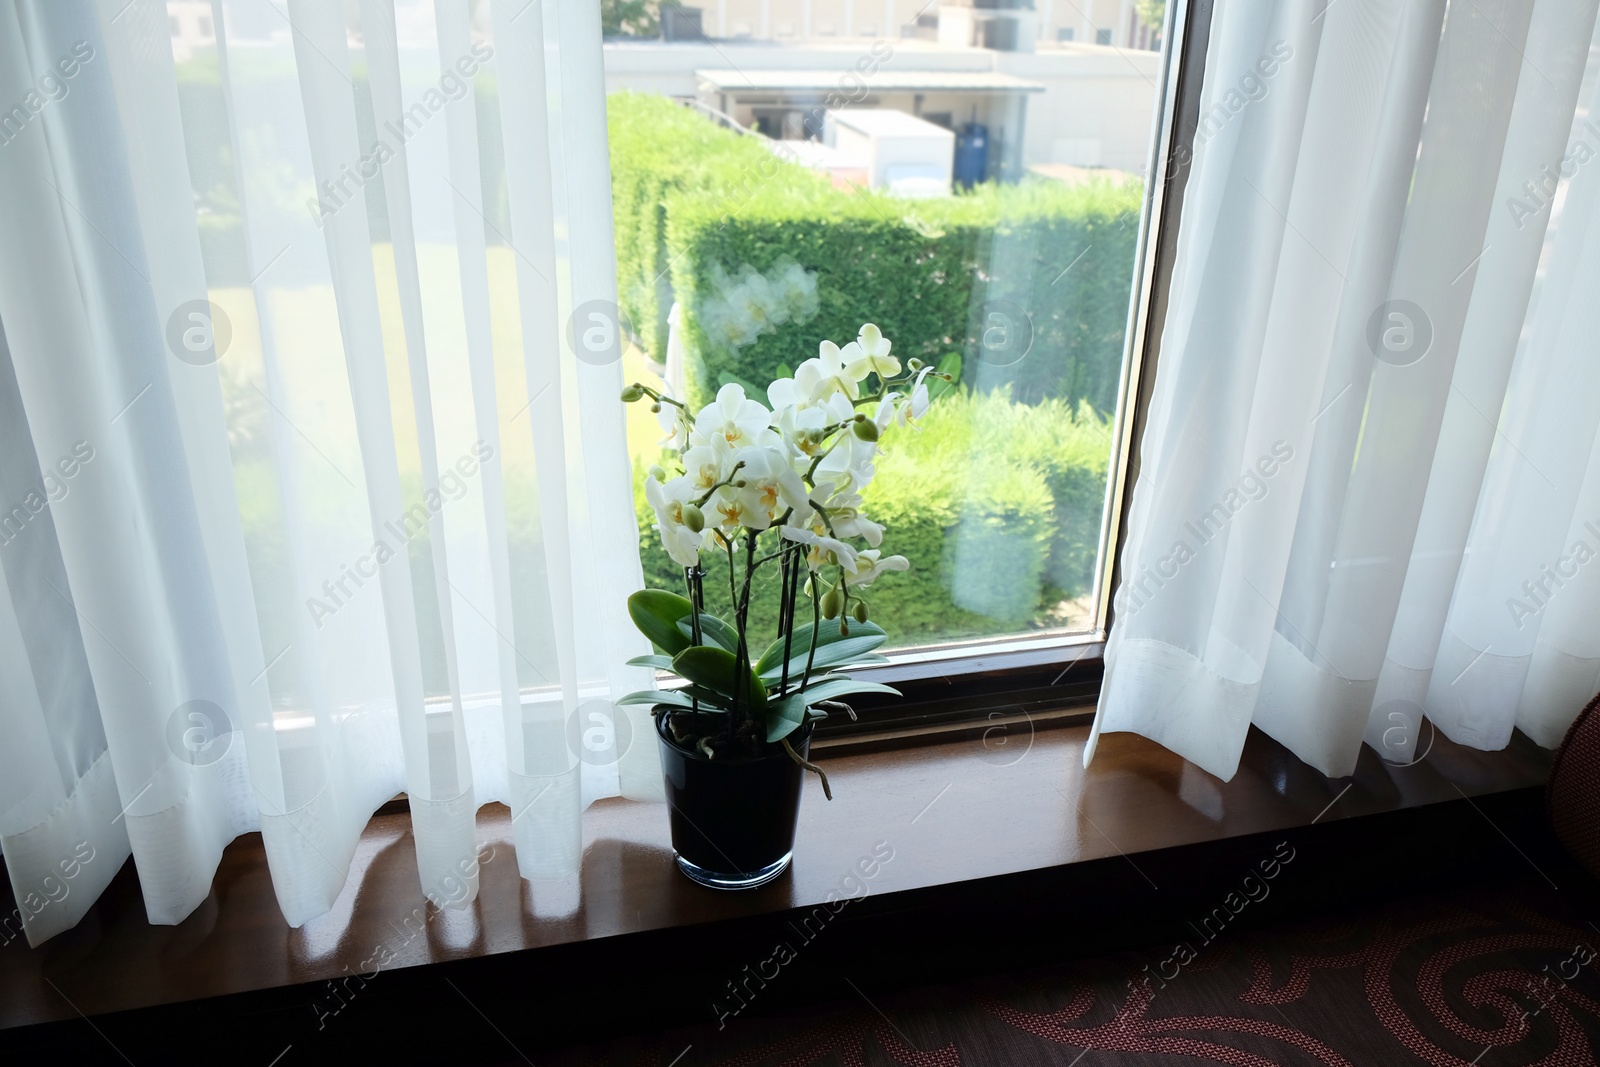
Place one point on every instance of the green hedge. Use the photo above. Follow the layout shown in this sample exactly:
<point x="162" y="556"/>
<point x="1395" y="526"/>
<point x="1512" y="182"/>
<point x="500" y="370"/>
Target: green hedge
<point x="662" y="154"/>
<point x="702" y="210"/>
<point x="996" y="504"/>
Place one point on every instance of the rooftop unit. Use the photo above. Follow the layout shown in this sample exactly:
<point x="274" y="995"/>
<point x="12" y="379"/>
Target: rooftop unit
<point x="1000" y="25"/>
<point x="901" y="153"/>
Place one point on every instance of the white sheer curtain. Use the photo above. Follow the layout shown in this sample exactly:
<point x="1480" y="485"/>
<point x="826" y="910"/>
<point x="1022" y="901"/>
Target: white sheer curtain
<point x="308" y="499"/>
<point x="1370" y="487"/>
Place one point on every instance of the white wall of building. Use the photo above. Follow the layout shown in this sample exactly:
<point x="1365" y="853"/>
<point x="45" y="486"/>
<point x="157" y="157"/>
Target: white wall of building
<point x="1096" y="110"/>
<point x="798" y="20"/>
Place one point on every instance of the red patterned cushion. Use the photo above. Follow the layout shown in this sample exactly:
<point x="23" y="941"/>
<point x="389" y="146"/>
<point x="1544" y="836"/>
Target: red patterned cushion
<point x="1575" y="789"/>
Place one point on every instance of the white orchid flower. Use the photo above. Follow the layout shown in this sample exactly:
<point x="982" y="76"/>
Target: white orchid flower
<point x="707" y="464"/>
<point x="845" y="514"/>
<point x="869" y="566"/>
<point x="848" y="463"/>
<point x="739" y="421"/>
<point x="829" y="364"/>
<point x="824" y="550"/>
<point x="915" y="406"/>
<point x="771" y="486"/>
<point x="732" y="509"/>
<point x="669" y="500"/>
<point x="795" y="408"/>
<point x="838" y="474"/>
<point x="784" y="393"/>
<point x="888" y="411"/>
<point x="909" y="409"/>
<point x="674" y="423"/>
<point x="803" y="427"/>
<point x="869" y="354"/>
<point x="900" y="409"/>
<point x="808" y="387"/>
<point x="795" y="429"/>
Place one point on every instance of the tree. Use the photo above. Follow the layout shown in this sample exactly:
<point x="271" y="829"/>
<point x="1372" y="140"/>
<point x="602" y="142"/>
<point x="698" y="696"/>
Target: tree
<point x="1152" y="13"/>
<point x="628" y="18"/>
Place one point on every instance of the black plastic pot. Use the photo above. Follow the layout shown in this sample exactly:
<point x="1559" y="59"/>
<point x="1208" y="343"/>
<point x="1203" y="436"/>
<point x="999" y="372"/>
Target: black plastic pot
<point x="733" y="820"/>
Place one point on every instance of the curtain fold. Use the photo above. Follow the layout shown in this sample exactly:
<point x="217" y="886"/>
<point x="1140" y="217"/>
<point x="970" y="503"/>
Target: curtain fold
<point x="1372" y="430"/>
<point x="329" y="506"/>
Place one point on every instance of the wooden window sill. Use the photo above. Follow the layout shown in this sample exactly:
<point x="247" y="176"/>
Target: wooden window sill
<point x="953" y="813"/>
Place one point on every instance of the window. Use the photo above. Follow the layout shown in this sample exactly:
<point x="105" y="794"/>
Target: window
<point x="759" y="212"/>
<point x="1102" y="36"/>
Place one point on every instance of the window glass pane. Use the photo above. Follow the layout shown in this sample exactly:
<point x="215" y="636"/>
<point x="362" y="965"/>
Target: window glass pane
<point x="965" y="175"/>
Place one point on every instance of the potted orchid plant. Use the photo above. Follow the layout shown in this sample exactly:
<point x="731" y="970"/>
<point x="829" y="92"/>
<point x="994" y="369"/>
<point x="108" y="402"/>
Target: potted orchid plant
<point x="765" y="487"/>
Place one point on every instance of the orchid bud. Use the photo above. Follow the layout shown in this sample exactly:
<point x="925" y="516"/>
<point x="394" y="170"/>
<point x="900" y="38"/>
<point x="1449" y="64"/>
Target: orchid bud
<point x="740" y="484"/>
<point x="655" y="409"/>
<point x="861" y="611"/>
<point x="914" y="364"/>
<point x="844" y="628"/>
<point x="632" y="393"/>
<point x="866" y="430"/>
<point x="832" y="601"/>
<point x="693" y="518"/>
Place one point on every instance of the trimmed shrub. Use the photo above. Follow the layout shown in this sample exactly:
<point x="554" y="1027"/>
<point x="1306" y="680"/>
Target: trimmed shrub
<point x="1028" y="283"/>
<point x="664" y="154"/>
<point x="1042" y="268"/>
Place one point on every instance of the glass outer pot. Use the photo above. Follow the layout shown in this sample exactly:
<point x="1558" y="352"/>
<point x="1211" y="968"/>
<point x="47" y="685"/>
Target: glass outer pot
<point x="733" y="820"/>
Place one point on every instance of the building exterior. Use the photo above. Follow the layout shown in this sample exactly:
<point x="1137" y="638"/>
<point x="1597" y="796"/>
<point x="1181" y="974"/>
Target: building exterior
<point x="1027" y="72"/>
<point x="1066" y="103"/>
<point x="1105" y="22"/>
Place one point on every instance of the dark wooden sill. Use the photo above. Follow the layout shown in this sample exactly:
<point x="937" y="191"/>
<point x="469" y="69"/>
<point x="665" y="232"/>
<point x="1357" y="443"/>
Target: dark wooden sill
<point x="994" y="815"/>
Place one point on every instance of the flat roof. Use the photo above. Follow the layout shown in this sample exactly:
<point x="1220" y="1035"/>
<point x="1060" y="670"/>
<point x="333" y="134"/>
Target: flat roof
<point x="822" y="81"/>
<point x="886" y="122"/>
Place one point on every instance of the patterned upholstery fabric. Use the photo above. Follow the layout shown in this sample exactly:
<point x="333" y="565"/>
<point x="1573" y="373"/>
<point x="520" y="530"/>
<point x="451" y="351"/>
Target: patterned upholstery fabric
<point x="1502" y="976"/>
<point x="1575" y="789"/>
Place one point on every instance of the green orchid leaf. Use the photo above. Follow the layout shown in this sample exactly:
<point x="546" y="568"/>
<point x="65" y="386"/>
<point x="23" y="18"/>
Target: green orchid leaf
<point x="785" y="717"/>
<point x="679" y="698"/>
<point x="851" y="650"/>
<point x="656" y="696"/>
<point x="827" y="634"/>
<point x="709" y="698"/>
<point x="713" y="630"/>
<point x="816" y="680"/>
<point x="778" y="729"/>
<point x="716" y="669"/>
<point x="832" y="688"/>
<point x="660" y="663"/>
<point x="656" y="613"/>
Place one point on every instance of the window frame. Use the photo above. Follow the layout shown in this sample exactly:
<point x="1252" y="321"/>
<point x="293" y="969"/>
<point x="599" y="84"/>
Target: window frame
<point x="986" y="683"/>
